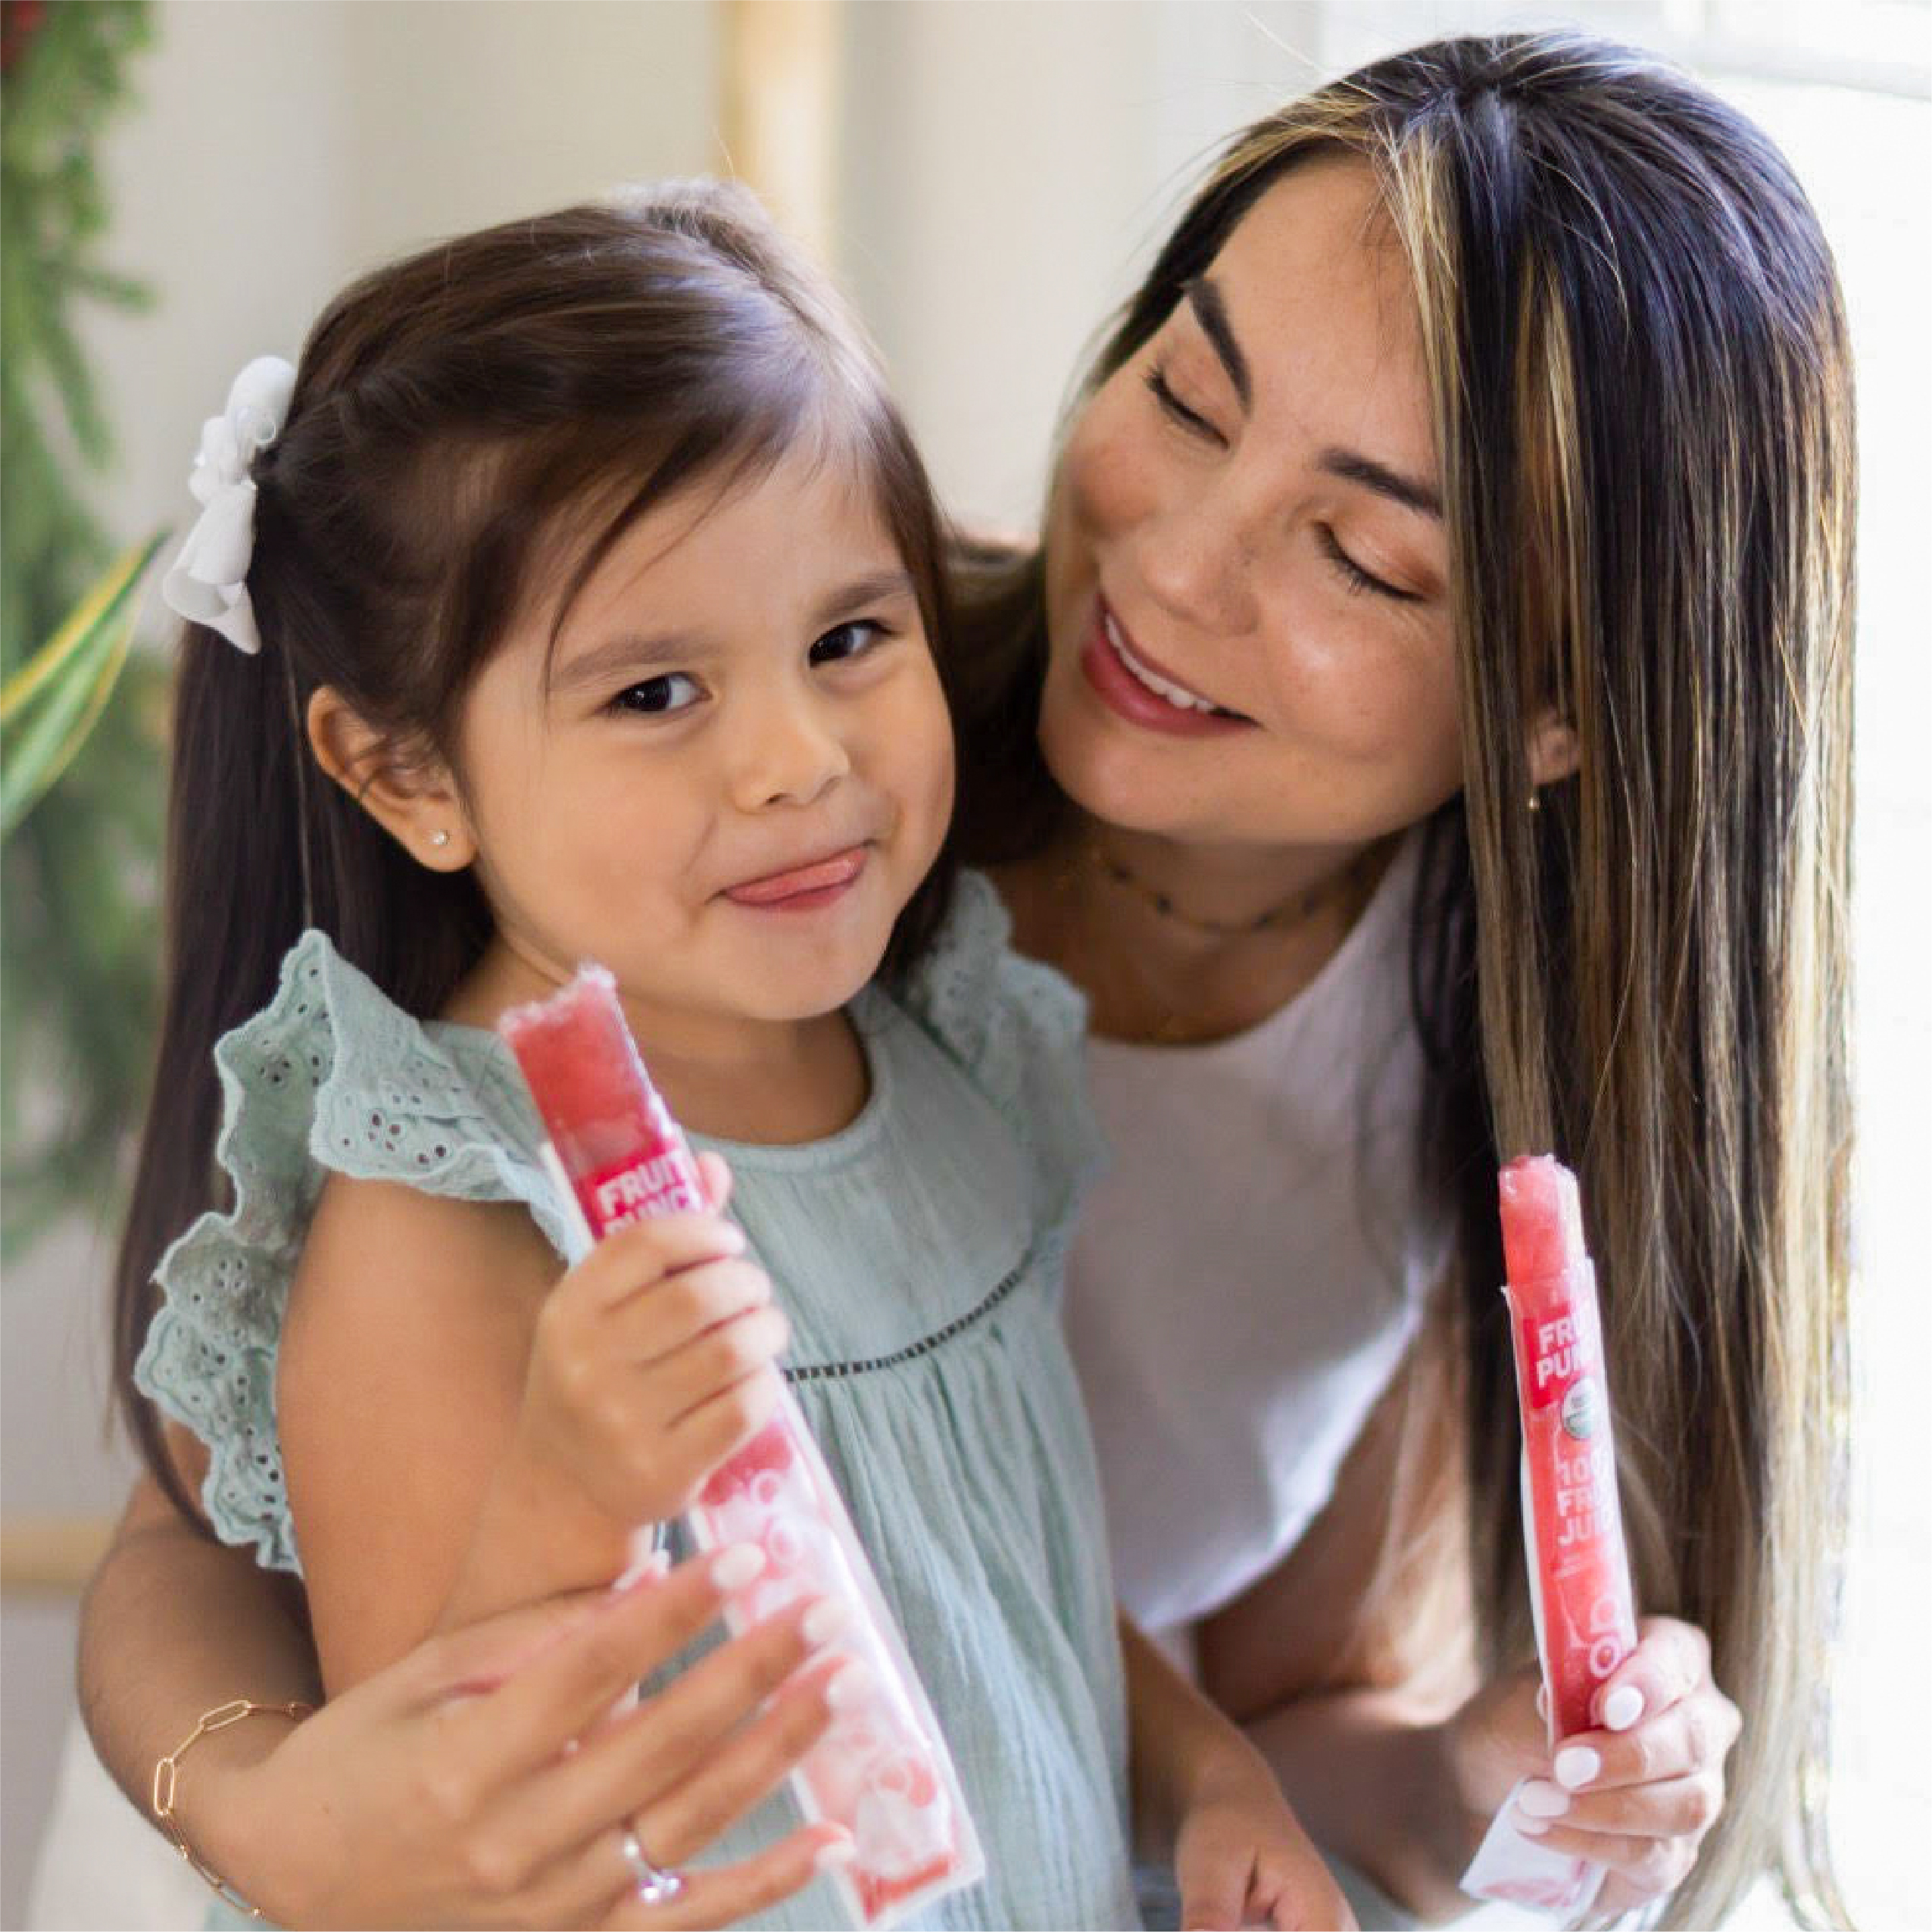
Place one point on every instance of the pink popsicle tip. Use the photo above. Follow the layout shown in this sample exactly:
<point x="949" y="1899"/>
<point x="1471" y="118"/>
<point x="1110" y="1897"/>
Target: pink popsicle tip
<point x="591" y="984"/>
<point x="581" y="1064"/>
<point x="1542" y="1218"/>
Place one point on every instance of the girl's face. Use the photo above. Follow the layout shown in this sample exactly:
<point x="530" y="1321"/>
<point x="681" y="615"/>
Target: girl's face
<point x="1246" y="560"/>
<point x="734" y="771"/>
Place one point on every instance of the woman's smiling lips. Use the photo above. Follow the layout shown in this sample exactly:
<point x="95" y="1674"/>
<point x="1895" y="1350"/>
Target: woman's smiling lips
<point x="802" y="888"/>
<point x="1131" y="685"/>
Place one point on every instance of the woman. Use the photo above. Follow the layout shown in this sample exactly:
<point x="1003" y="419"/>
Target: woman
<point x="1439" y="650"/>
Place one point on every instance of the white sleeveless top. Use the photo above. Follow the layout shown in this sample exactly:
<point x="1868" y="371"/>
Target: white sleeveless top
<point x="1247" y="1275"/>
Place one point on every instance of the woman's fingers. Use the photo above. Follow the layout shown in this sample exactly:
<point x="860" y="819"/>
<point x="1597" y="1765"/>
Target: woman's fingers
<point x="1646" y="1867"/>
<point x="741" y="1773"/>
<point x="634" y="1762"/>
<point x="1690" y="1738"/>
<point x="731" y="1893"/>
<point x="590" y="1662"/>
<point x="1671" y="1660"/>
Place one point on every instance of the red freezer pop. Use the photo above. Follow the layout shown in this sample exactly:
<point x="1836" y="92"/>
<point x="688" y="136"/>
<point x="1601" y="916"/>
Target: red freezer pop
<point x="1580" y="1570"/>
<point x="882" y="1771"/>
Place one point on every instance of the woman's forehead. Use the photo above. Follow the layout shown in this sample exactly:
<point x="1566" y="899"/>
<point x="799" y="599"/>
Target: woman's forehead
<point x="1321" y="304"/>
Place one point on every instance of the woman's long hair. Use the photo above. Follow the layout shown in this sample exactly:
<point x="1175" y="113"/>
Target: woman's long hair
<point x="471" y="429"/>
<point x="1639" y="369"/>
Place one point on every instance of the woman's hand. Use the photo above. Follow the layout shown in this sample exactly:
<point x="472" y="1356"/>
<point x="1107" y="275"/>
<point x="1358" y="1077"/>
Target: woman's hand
<point x="478" y="1781"/>
<point x="1241" y="1858"/>
<point x="651" y="1362"/>
<point x="1636" y="1795"/>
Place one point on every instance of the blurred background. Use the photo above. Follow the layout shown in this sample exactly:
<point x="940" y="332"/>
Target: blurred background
<point x="188" y="180"/>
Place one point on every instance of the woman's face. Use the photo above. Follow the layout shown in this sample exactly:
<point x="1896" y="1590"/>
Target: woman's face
<point x="1247" y="569"/>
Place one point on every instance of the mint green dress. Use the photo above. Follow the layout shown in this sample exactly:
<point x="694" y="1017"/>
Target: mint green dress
<point x="918" y="1254"/>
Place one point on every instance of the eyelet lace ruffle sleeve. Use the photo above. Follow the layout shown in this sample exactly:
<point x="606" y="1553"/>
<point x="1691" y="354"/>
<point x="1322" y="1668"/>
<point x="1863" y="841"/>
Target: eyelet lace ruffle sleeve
<point x="330" y="1075"/>
<point x="1018" y="1030"/>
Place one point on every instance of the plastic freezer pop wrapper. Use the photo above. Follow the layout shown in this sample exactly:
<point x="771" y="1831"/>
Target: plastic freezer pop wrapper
<point x="1586" y="1622"/>
<point x="882" y="1771"/>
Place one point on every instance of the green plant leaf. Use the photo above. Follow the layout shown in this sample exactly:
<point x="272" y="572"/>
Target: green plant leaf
<point x="50" y="705"/>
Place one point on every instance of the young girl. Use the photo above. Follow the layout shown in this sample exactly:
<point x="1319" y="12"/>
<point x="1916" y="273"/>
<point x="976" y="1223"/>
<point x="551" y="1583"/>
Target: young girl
<point x="587" y="597"/>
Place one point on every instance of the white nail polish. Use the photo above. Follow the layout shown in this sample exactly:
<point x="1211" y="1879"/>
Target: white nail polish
<point x="841" y="1851"/>
<point x="1623" y="1707"/>
<point x="1576" y="1765"/>
<point x="738" y="1566"/>
<point x="850" y="1686"/>
<point x="1531" y="1827"/>
<point x="1540" y="1799"/>
<point x="824" y="1620"/>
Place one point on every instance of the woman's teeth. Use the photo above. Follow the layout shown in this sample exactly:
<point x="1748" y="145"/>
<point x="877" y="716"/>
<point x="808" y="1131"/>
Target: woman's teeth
<point x="1179" y="696"/>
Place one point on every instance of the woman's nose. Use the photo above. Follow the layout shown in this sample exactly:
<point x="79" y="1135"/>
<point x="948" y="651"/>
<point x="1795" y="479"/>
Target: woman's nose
<point x="1198" y="564"/>
<point x="786" y="752"/>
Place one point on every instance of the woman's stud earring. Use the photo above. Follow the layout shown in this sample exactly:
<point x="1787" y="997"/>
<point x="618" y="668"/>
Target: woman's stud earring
<point x="1536" y="799"/>
<point x="439" y="839"/>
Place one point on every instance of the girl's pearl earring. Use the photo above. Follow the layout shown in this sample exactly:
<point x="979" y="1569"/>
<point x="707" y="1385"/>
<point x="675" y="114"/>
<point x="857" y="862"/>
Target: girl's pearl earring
<point x="439" y="839"/>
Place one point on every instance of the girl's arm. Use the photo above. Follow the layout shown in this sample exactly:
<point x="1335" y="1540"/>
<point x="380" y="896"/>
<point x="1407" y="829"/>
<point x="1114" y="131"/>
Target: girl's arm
<point x="1358" y="1681"/>
<point x="462" y="1431"/>
<point x="438" y="1792"/>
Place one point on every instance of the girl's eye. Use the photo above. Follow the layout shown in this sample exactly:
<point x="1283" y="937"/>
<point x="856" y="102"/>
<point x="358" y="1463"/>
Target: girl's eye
<point x="1192" y="420"/>
<point x="656" y="697"/>
<point x="845" y="641"/>
<point x="1354" y="578"/>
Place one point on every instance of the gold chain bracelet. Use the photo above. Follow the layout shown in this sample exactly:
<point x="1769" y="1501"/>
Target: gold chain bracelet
<point x="219" y="1719"/>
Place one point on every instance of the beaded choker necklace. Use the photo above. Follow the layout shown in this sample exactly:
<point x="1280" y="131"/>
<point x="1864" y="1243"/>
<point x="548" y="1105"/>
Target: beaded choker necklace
<point x="1292" y="911"/>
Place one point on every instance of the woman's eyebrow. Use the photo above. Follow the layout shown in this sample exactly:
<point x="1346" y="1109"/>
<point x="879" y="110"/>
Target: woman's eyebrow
<point x="1211" y="312"/>
<point x="1353" y="467"/>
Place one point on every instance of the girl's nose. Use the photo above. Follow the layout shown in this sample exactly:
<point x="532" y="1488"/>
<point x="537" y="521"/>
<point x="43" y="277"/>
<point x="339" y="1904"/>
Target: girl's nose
<point x="787" y="753"/>
<point x="1197" y="563"/>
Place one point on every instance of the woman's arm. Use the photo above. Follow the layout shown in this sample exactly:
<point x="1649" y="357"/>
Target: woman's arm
<point x="1205" y="1798"/>
<point x="1343" y="1668"/>
<point x="1356" y="1678"/>
<point x="440" y="1791"/>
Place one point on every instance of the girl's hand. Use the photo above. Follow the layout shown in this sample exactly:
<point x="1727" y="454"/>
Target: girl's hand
<point x="1637" y="1794"/>
<point x="1240" y="1857"/>
<point x="448" y="1790"/>
<point x="651" y="1362"/>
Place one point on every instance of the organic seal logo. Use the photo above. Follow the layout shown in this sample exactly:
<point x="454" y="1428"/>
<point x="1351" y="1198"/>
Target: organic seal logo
<point x="1580" y="1409"/>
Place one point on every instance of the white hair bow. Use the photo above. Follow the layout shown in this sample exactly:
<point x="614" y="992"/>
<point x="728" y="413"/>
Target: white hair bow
<point x="209" y="583"/>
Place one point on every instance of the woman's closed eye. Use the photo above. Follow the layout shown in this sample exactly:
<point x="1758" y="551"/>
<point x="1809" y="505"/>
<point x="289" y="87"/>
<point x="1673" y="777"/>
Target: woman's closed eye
<point x="1183" y="413"/>
<point x="658" y="696"/>
<point x="1355" y="579"/>
<point x="844" y="641"/>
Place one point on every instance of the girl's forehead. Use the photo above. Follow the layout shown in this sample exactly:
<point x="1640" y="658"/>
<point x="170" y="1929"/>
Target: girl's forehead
<point x="738" y="509"/>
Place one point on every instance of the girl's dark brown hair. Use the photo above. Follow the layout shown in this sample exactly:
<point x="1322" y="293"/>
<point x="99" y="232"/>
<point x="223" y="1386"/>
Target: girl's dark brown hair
<point x="1641" y="382"/>
<point x="471" y="428"/>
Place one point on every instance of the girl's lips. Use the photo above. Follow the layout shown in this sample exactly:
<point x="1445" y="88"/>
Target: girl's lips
<point x="804" y="888"/>
<point x="1127" y="697"/>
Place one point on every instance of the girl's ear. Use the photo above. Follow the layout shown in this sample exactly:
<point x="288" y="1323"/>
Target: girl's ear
<point x="1554" y="751"/>
<point x="413" y="799"/>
